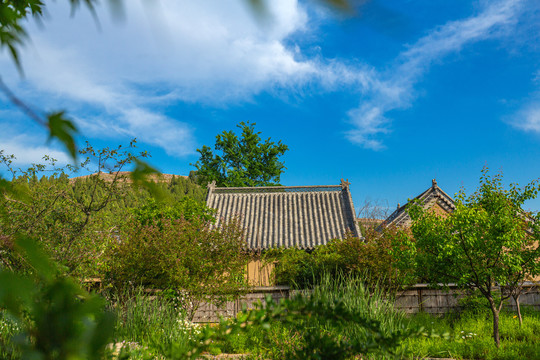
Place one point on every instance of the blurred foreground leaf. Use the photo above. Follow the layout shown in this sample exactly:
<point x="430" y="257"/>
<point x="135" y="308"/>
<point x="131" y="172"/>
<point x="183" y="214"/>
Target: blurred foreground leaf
<point x="58" y="319"/>
<point x="140" y="176"/>
<point x="63" y="129"/>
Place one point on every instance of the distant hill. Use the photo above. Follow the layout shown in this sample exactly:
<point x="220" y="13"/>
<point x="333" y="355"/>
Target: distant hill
<point x="177" y="186"/>
<point x="124" y="177"/>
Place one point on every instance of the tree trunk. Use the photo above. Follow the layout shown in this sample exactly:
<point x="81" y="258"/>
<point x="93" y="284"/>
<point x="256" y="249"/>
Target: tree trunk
<point x="518" y="307"/>
<point x="495" y="312"/>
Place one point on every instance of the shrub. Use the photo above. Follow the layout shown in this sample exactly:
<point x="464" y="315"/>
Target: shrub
<point x="371" y="257"/>
<point x="474" y="302"/>
<point x="204" y="262"/>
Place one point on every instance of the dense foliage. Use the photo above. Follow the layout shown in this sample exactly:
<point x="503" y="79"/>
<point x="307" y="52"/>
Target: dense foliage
<point x="372" y="257"/>
<point x="46" y="315"/>
<point x="187" y="208"/>
<point x="75" y="218"/>
<point x="244" y="160"/>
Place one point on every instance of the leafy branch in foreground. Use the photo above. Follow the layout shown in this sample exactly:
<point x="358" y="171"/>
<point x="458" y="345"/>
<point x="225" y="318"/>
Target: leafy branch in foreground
<point x="58" y="319"/>
<point x="13" y="15"/>
<point x="58" y="124"/>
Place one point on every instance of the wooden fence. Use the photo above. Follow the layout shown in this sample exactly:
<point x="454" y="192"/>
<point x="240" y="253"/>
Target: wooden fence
<point x="421" y="297"/>
<point x="417" y="298"/>
<point x="211" y="313"/>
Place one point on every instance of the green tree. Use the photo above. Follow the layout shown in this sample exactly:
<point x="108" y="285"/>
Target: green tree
<point x="244" y="160"/>
<point x="187" y="208"/>
<point x="488" y="243"/>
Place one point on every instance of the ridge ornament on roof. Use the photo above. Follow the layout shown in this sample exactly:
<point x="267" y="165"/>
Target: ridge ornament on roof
<point x="287" y="216"/>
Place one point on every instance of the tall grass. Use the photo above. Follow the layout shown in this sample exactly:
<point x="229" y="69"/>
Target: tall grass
<point x="350" y="290"/>
<point x="8" y="329"/>
<point x="150" y="321"/>
<point x="372" y="301"/>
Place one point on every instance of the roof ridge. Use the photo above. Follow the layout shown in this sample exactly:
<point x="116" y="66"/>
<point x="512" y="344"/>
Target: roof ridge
<point x="276" y="187"/>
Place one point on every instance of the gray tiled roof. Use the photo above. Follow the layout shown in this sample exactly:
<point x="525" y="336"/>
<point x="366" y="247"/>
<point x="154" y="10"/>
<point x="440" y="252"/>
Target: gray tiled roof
<point x="433" y="195"/>
<point x="287" y="216"/>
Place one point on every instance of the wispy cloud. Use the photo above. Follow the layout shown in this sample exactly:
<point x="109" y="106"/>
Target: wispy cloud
<point x="395" y="87"/>
<point x="27" y="150"/>
<point x="528" y="117"/>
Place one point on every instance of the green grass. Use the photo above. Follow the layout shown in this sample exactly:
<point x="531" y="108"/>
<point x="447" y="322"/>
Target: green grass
<point x="469" y="333"/>
<point x="370" y="301"/>
<point x="151" y="324"/>
<point x="471" y="336"/>
<point x="8" y="329"/>
<point x="158" y="328"/>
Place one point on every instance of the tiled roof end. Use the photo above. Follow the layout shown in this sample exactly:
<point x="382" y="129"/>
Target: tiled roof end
<point x="433" y="195"/>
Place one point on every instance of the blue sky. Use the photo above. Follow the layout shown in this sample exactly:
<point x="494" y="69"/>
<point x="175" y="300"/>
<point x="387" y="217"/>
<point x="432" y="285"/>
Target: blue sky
<point x="390" y="97"/>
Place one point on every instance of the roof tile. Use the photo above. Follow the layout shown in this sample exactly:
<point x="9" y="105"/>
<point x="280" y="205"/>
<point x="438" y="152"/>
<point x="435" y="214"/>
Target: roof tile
<point x="281" y="216"/>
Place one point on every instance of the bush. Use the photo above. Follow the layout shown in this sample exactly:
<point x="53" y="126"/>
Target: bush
<point x="204" y="262"/>
<point x="474" y="302"/>
<point x="371" y="257"/>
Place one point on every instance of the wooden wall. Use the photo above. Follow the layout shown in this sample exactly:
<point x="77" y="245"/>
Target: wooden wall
<point x="208" y="313"/>
<point x="259" y="272"/>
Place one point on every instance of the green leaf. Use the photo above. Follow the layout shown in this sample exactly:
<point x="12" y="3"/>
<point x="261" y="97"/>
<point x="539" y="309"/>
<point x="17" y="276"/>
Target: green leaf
<point x="15" y="291"/>
<point x="140" y="175"/>
<point x="64" y="130"/>
<point x="36" y="258"/>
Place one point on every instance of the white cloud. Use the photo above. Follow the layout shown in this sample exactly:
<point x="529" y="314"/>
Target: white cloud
<point x="27" y="152"/>
<point x="395" y="88"/>
<point x="528" y="118"/>
<point x="215" y="53"/>
<point x="370" y="122"/>
<point x="536" y="77"/>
